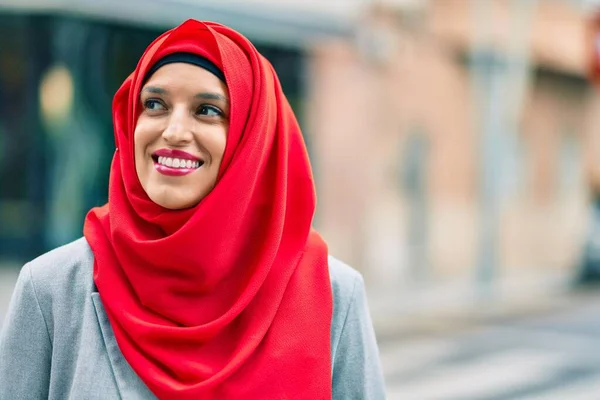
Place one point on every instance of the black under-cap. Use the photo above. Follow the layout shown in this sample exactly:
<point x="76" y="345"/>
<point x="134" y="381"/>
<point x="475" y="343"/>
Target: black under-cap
<point x="188" y="58"/>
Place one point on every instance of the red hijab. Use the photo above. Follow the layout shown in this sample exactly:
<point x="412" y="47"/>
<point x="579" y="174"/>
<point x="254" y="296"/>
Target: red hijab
<point x="230" y="299"/>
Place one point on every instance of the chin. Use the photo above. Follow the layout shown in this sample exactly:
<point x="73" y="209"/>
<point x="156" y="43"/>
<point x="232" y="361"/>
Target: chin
<point x="171" y="202"/>
<point x="175" y="206"/>
<point x="173" y="197"/>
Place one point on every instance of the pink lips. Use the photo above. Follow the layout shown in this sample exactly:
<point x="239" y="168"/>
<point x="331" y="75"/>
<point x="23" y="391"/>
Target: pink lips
<point x="172" y="171"/>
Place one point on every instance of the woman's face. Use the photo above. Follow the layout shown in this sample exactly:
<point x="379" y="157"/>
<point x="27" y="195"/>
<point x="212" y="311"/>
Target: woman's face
<point x="181" y="134"/>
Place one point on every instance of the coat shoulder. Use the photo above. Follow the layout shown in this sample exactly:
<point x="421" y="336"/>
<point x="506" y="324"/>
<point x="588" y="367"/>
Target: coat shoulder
<point x="343" y="276"/>
<point x="344" y="283"/>
<point x="67" y="266"/>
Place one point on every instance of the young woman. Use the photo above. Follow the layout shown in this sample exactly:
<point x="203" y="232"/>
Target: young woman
<point x="202" y="277"/>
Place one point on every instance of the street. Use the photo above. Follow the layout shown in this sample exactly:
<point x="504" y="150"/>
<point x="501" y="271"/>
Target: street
<point x="551" y="357"/>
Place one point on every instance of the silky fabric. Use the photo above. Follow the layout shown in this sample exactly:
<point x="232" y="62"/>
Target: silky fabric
<point x="230" y="299"/>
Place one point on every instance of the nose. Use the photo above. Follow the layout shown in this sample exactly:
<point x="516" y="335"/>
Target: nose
<point x="179" y="128"/>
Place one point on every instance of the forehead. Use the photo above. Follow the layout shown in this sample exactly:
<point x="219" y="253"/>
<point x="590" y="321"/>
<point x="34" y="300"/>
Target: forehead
<point x="185" y="75"/>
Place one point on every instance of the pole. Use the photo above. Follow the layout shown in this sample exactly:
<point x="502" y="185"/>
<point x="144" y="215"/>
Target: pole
<point x="499" y="79"/>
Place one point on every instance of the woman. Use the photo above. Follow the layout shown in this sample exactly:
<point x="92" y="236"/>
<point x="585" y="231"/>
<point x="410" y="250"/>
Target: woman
<point x="201" y="278"/>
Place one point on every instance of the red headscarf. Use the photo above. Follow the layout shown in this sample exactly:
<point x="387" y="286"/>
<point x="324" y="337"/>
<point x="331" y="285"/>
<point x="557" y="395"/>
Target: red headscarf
<point x="230" y="299"/>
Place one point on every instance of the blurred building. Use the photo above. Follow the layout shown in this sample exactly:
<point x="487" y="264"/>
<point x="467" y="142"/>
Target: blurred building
<point x="450" y="138"/>
<point x="457" y="139"/>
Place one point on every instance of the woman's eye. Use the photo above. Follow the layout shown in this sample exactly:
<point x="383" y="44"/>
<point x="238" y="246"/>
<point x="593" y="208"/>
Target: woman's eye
<point x="210" y="111"/>
<point x="153" y="105"/>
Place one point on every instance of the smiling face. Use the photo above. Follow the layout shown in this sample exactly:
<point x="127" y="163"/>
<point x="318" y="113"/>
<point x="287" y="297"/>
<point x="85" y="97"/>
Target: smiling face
<point x="180" y="135"/>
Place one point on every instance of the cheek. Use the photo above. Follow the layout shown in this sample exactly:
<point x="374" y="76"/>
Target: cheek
<point x="141" y="140"/>
<point x="220" y="142"/>
<point x="142" y="136"/>
<point x="221" y="150"/>
<point x="138" y="150"/>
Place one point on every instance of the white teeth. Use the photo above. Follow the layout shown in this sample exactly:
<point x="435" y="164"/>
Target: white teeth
<point x="178" y="162"/>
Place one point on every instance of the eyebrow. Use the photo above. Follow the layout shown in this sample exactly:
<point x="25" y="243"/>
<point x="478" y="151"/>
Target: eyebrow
<point x="203" y="95"/>
<point x="153" y="89"/>
<point x="212" y="96"/>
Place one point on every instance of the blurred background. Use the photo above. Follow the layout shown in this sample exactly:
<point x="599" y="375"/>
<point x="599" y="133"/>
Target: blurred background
<point x="455" y="146"/>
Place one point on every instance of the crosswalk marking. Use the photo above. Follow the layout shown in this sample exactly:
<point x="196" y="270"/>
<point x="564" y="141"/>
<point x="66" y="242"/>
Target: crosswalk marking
<point x="588" y="389"/>
<point x="418" y="355"/>
<point x="487" y="376"/>
<point x="568" y="340"/>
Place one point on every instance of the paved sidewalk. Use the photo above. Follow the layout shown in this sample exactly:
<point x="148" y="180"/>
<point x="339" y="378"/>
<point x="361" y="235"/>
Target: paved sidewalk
<point x="414" y="311"/>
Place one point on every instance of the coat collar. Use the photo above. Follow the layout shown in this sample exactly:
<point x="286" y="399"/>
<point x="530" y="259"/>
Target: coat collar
<point x="130" y="386"/>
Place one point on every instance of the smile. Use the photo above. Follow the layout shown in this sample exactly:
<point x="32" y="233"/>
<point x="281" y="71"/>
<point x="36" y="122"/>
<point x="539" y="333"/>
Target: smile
<point x="178" y="163"/>
<point x="175" y="162"/>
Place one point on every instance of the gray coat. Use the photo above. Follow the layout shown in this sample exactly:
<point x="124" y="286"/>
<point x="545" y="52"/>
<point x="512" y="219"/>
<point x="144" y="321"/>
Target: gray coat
<point x="57" y="343"/>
